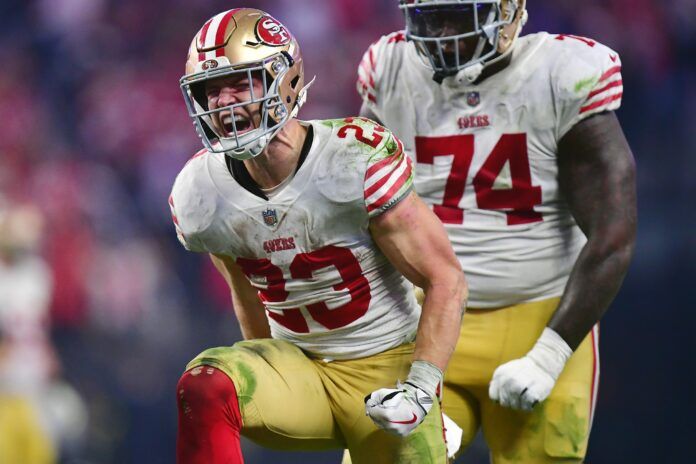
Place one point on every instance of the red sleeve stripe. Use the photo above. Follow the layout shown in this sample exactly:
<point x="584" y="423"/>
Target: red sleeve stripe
<point x="388" y="160"/>
<point x="366" y="77"/>
<point x="171" y="208"/>
<point x="610" y="72"/>
<point x="367" y="69"/>
<point x="392" y="188"/>
<point x="376" y="186"/>
<point x="396" y="37"/>
<point x="384" y="167"/>
<point x="375" y="182"/>
<point x="365" y="90"/>
<point x="600" y="103"/>
<point x="606" y="87"/>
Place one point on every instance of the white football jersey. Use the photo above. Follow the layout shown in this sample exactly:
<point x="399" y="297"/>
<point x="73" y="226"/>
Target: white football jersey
<point x="326" y="286"/>
<point x="25" y="295"/>
<point x="485" y="154"/>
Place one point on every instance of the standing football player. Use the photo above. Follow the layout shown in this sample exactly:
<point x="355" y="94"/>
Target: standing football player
<point x="314" y="225"/>
<point x="518" y="151"/>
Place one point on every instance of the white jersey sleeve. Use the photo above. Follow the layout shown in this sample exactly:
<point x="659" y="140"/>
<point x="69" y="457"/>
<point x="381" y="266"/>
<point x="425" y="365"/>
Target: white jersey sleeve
<point x="192" y="205"/>
<point x="379" y="69"/>
<point x="389" y="174"/>
<point x="587" y="79"/>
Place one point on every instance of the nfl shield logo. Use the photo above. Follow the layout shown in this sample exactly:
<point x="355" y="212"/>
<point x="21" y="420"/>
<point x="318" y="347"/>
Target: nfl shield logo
<point x="473" y="98"/>
<point x="270" y="218"/>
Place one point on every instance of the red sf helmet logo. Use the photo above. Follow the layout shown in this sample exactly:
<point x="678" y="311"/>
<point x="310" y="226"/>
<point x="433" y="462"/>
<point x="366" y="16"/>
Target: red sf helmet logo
<point x="209" y="64"/>
<point x="271" y="32"/>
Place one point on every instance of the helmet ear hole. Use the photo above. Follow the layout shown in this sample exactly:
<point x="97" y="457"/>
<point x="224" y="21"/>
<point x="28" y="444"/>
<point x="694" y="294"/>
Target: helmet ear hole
<point x="293" y="83"/>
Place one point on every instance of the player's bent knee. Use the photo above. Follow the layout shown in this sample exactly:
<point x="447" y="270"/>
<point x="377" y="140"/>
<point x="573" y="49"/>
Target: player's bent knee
<point x="208" y="394"/>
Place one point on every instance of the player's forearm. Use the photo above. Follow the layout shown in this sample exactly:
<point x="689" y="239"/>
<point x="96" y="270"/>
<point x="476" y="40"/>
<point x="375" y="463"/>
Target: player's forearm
<point x="252" y="330"/>
<point x="251" y="317"/>
<point x="593" y="284"/>
<point x="438" y="330"/>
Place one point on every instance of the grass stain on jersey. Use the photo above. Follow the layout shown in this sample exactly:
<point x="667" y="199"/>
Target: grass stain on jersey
<point x="576" y="427"/>
<point x="247" y="382"/>
<point x="425" y="445"/>
<point x="583" y="84"/>
<point x="569" y="433"/>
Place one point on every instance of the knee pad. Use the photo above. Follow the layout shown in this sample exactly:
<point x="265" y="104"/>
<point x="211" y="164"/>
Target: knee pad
<point x="208" y="394"/>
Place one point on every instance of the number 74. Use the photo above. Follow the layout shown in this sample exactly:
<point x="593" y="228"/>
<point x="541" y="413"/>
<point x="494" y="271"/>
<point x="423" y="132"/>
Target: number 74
<point x="518" y="201"/>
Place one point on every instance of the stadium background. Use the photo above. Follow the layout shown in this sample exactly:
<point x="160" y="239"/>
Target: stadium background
<point x="93" y="131"/>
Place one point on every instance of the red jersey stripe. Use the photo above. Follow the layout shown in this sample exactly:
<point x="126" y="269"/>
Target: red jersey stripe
<point x="377" y="185"/>
<point x="599" y="103"/>
<point x="606" y="87"/>
<point x="384" y="199"/>
<point x="610" y="72"/>
<point x="397" y="37"/>
<point x="381" y="163"/>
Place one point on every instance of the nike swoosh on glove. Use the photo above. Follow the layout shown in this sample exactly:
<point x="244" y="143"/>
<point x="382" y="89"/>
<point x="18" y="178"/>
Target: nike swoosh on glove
<point x="398" y="410"/>
<point x="523" y="383"/>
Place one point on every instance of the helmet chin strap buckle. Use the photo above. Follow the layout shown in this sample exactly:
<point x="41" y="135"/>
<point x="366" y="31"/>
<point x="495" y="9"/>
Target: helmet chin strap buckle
<point x="470" y="73"/>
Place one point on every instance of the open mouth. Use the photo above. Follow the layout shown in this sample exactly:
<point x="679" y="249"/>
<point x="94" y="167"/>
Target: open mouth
<point x="240" y="122"/>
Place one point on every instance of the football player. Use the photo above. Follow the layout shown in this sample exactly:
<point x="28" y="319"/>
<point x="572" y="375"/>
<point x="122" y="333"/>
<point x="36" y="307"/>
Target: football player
<point x="27" y="358"/>
<point x="517" y="150"/>
<point x="314" y="225"/>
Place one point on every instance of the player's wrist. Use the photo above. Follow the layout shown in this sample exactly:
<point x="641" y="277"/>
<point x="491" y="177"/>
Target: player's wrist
<point x="426" y="376"/>
<point x="550" y="353"/>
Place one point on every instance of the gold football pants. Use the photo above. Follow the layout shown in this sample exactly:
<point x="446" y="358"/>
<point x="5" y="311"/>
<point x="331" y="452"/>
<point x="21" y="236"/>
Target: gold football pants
<point x="289" y="401"/>
<point x="557" y="430"/>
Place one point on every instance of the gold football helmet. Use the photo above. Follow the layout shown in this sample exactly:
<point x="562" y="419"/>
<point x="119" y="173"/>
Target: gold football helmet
<point x="244" y="42"/>
<point x="439" y="29"/>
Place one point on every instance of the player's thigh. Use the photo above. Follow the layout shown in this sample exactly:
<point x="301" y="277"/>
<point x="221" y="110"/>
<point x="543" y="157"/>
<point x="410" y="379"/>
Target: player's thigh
<point x="558" y="429"/>
<point x="471" y="366"/>
<point x="281" y="397"/>
<point x="462" y="407"/>
<point x="425" y="445"/>
<point x="348" y="382"/>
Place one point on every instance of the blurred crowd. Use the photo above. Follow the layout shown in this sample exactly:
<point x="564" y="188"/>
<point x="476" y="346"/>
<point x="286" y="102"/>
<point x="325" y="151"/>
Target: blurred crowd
<point x="93" y="131"/>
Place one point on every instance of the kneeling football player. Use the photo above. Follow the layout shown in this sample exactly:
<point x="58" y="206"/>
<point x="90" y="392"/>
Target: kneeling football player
<point x="314" y="225"/>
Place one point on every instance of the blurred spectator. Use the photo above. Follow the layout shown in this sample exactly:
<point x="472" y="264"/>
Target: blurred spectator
<point x="39" y="415"/>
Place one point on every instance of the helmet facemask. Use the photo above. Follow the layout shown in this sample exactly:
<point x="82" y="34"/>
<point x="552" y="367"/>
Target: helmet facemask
<point x="237" y="142"/>
<point x="462" y="35"/>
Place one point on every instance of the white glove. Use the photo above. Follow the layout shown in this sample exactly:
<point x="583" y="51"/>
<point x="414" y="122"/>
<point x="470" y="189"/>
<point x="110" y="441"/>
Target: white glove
<point x="399" y="410"/>
<point x="524" y="382"/>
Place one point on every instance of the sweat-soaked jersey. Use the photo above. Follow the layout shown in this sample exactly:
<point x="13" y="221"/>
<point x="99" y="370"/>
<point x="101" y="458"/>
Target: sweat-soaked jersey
<point x="486" y="154"/>
<point x="325" y="284"/>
